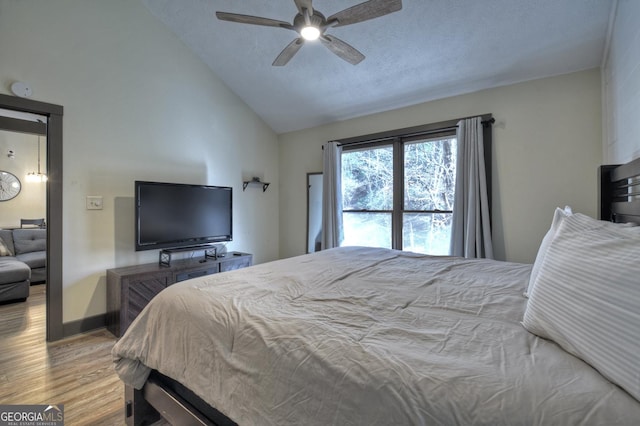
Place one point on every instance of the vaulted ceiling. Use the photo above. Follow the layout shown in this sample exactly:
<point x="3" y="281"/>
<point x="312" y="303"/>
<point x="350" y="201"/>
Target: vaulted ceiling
<point x="430" y="49"/>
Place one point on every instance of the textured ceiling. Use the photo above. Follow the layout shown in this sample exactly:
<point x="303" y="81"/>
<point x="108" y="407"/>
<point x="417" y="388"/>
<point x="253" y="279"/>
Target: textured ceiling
<point x="429" y="50"/>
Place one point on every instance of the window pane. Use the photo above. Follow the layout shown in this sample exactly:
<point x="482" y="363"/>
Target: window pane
<point x="428" y="233"/>
<point x="367" y="229"/>
<point x="367" y="179"/>
<point x="429" y="174"/>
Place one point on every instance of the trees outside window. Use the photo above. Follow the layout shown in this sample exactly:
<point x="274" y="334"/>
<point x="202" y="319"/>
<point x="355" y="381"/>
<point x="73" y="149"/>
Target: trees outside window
<point x="399" y="194"/>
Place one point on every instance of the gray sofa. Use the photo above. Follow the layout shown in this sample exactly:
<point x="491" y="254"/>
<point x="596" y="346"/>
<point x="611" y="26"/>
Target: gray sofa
<point x="26" y="263"/>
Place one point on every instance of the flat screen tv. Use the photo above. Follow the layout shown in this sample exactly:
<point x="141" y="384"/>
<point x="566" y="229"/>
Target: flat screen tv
<point x="174" y="215"/>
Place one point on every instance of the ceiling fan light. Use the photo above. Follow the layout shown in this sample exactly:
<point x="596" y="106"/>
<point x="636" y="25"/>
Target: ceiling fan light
<point x="310" y="33"/>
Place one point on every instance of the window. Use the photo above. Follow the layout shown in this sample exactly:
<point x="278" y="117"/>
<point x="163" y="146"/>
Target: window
<point x="399" y="193"/>
<point x="429" y="189"/>
<point x="367" y="196"/>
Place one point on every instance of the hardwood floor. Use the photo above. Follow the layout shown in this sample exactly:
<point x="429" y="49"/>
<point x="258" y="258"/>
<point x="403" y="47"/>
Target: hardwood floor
<point x="77" y="371"/>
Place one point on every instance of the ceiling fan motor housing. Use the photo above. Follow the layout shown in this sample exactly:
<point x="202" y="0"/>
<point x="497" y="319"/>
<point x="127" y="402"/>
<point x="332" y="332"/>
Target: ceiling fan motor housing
<point x="316" y="20"/>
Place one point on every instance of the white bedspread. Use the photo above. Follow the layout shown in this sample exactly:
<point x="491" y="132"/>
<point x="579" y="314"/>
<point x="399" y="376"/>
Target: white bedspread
<point x="363" y="336"/>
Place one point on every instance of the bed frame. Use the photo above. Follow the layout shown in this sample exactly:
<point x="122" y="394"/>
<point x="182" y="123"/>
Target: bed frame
<point x="164" y="398"/>
<point x="619" y="197"/>
<point x="620" y="192"/>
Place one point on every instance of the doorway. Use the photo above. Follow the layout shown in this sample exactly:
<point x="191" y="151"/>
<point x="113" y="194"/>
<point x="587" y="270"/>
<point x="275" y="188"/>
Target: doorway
<point x="53" y="132"/>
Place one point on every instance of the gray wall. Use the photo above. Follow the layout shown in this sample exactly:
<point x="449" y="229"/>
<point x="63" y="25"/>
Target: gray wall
<point x="137" y="105"/>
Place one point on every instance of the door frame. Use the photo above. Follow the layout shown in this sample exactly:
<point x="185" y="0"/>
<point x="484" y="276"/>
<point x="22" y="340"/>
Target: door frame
<point x="54" y="205"/>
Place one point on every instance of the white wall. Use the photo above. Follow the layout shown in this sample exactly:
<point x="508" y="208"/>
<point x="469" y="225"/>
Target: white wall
<point x="546" y="150"/>
<point x="621" y="86"/>
<point x="30" y="203"/>
<point x="137" y="105"/>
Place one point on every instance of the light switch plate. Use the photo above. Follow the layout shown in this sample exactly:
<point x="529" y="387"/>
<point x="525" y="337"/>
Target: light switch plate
<point x="94" y="202"/>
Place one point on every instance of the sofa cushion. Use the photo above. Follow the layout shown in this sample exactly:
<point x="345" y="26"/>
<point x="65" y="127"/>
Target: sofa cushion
<point x="12" y="270"/>
<point x="38" y="275"/>
<point x="29" y="240"/>
<point x="14" y="292"/>
<point x="35" y="259"/>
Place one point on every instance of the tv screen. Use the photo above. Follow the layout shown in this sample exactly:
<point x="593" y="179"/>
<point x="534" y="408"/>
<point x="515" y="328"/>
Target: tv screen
<point x="173" y="215"/>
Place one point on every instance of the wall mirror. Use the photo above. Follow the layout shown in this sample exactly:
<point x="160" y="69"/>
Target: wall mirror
<point x="314" y="211"/>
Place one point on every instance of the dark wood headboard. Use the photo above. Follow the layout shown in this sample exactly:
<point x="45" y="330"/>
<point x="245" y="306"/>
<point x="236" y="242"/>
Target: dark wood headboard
<point x="620" y="192"/>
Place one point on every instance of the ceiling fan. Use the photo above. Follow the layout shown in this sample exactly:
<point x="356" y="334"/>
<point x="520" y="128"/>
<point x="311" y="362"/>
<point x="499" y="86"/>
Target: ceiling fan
<point x="311" y="25"/>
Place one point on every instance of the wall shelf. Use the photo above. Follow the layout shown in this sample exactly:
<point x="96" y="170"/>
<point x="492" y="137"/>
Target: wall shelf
<point x="246" y="183"/>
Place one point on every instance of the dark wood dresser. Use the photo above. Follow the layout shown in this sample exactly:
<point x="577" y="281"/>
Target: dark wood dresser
<point x="129" y="289"/>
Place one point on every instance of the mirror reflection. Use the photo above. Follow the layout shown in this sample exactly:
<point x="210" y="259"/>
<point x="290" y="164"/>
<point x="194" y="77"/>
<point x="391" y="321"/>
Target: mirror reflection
<point x="314" y="211"/>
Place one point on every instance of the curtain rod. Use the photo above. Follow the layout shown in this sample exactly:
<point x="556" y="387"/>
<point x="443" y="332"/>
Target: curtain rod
<point x="485" y="123"/>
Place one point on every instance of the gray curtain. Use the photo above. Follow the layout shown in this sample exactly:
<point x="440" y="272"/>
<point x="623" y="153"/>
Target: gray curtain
<point x="471" y="230"/>
<point x="332" y="195"/>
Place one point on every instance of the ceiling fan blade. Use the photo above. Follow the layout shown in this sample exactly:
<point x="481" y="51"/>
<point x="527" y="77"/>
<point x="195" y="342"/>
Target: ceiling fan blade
<point x="253" y="20"/>
<point x="342" y="49"/>
<point x="288" y="52"/>
<point x="304" y="4"/>
<point x="364" y="11"/>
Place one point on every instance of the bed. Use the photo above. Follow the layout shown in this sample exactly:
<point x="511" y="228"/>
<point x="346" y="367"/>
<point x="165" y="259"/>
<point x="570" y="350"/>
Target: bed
<point x="360" y="335"/>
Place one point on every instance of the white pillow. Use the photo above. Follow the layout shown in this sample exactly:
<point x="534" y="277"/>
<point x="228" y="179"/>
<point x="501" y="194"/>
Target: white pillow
<point x="587" y="297"/>
<point x="4" y="250"/>
<point x="558" y="216"/>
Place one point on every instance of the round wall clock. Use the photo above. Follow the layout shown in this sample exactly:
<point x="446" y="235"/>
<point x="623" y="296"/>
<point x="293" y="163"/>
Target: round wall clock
<point x="9" y="186"/>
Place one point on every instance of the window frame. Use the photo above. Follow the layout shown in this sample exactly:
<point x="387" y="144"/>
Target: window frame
<point x="397" y="139"/>
<point x="398" y="233"/>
